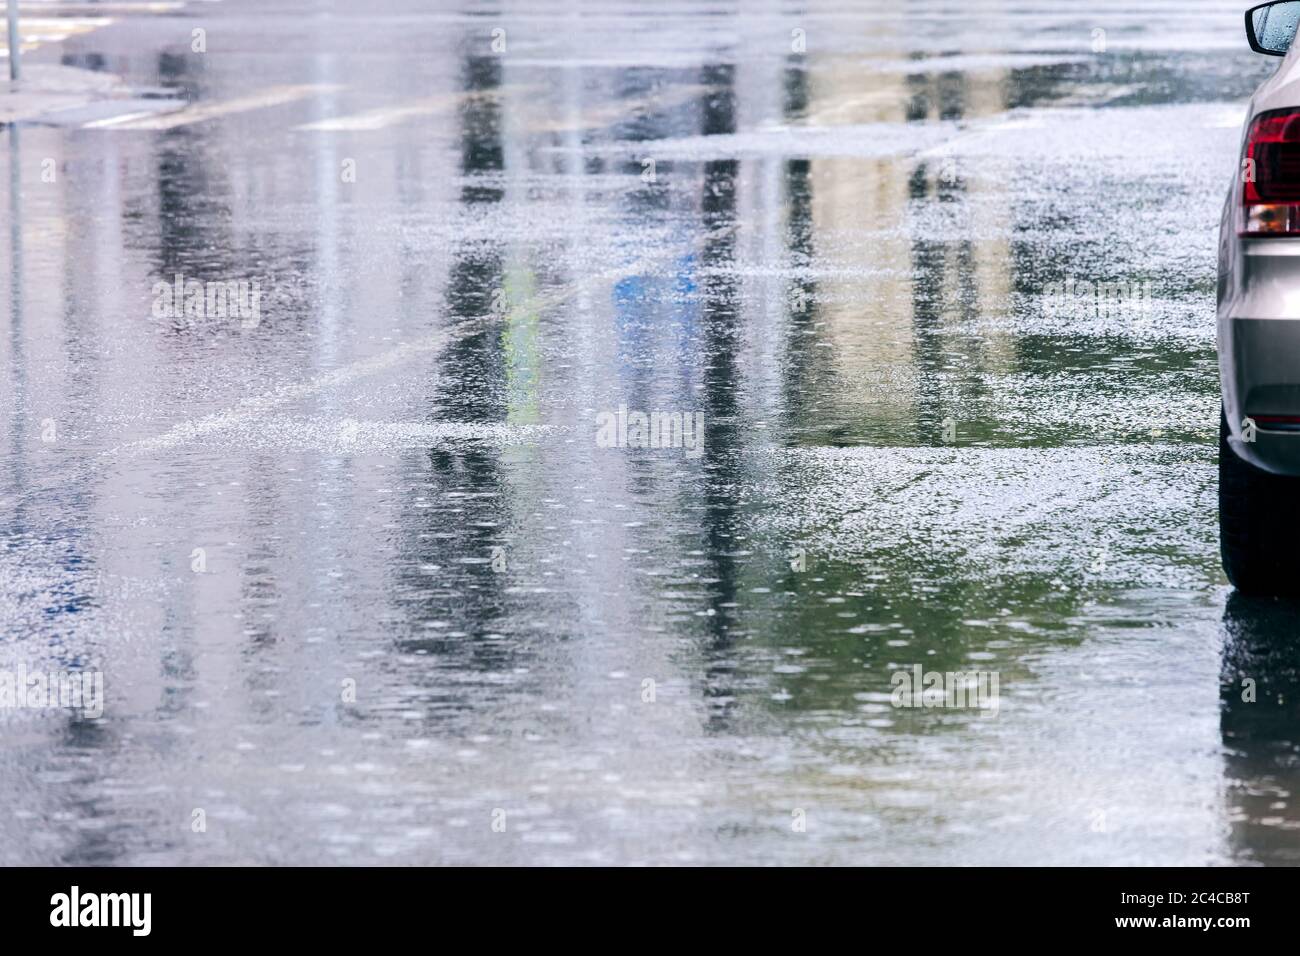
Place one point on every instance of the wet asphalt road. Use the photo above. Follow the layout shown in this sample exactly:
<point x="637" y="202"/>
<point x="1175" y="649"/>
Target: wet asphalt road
<point x="365" y="587"/>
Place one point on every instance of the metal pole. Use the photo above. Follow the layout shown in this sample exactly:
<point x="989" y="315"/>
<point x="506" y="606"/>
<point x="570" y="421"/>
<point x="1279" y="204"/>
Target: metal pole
<point x="12" y="7"/>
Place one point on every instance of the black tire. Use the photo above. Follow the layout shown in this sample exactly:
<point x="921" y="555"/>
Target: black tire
<point x="1259" y="532"/>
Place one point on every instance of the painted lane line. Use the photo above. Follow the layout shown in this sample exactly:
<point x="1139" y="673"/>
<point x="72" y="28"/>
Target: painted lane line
<point x="384" y="116"/>
<point x="274" y="96"/>
<point x="258" y="406"/>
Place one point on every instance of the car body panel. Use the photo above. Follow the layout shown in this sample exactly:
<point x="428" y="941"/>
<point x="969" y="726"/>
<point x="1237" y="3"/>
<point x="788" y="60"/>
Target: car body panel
<point x="1259" y="310"/>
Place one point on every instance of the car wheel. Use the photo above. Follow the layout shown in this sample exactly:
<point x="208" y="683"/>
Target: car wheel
<point x="1258" y="524"/>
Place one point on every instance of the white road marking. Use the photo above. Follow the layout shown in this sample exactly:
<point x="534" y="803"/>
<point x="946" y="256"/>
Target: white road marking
<point x="260" y="405"/>
<point x="109" y="6"/>
<point x="385" y="116"/>
<point x="114" y="120"/>
<point x="273" y="96"/>
<point x="35" y="31"/>
<point x="382" y="117"/>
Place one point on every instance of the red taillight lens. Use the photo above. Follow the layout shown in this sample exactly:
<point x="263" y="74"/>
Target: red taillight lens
<point x="1270" y="174"/>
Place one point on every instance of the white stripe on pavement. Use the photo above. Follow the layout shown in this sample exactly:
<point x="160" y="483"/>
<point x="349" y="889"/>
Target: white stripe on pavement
<point x="260" y="405"/>
<point x="34" y="31"/>
<point x="385" y="116"/>
<point x="273" y="96"/>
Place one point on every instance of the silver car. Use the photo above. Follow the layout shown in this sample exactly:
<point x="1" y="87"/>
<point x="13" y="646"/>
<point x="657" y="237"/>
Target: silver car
<point x="1259" y="325"/>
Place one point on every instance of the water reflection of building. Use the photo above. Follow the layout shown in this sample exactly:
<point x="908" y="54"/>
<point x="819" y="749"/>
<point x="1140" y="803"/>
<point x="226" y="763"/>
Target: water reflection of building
<point x="894" y="306"/>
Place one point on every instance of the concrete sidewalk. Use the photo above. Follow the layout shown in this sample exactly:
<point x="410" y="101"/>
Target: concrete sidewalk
<point x="54" y="95"/>
<point x="46" y="88"/>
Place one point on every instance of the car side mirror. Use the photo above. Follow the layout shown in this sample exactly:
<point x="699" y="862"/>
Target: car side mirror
<point x="1270" y="27"/>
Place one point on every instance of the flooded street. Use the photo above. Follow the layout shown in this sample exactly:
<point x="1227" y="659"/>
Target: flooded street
<point x="372" y="567"/>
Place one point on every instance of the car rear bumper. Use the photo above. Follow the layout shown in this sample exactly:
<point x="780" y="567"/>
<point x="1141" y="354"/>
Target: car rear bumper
<point x="1259" y="346"/>
<point x="1260" y="369"/>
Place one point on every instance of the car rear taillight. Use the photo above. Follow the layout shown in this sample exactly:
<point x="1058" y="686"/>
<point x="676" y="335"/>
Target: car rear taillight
<point x="1271" y="176"/>
<point x="1277" y="423"/>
